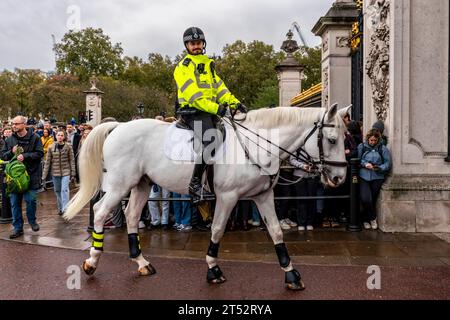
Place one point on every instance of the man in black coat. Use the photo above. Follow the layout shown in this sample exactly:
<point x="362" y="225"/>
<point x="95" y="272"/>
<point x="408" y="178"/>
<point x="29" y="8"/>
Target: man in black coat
<point x="32" y="155"/>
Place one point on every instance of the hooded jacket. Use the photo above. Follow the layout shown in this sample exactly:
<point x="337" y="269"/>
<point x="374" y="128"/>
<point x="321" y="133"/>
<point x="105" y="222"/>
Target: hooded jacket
<point x="369" y="154"/>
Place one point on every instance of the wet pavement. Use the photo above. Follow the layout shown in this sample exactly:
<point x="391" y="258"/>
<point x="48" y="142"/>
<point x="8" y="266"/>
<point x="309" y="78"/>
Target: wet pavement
<point x="333" y="263"/>
<point x="44" y="273"/>
<point x="319" y="247"/>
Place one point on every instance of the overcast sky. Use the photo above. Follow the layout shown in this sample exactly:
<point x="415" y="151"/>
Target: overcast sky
<point x="145" y="26"/>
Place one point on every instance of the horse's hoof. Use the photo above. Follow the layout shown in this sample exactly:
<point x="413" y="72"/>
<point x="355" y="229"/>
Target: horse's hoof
<point x="296" y="286"/>
<point x="147" y="270"/>
<point x="88" y="269"/>
<point x="294" y="281"/>
<point x="215" y="276"/>
<point x="219" y="280"/>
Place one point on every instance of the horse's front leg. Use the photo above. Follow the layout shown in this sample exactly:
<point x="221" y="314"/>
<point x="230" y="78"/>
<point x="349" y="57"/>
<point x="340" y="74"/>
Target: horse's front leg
<point x="266" y="207"/>
<point x="224" y="205"/>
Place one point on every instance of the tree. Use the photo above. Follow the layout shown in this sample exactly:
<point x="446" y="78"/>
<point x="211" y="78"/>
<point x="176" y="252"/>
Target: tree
<point x="8" y="98"/>
<point x="121" y="98"/>
<point x="312" y="62"/>
<point x="15" y="91"/>
<point x="268" y="95"/>
<point x="88" y="52"/>
<point x="60" y="96"/>
<point x="249" y="70"/>
<point x="159" y="73"/>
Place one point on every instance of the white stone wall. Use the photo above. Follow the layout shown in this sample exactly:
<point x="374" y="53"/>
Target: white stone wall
<point x="416" y="198"/>
<point x="418" y="115"/>
<point x="336" y="67"/>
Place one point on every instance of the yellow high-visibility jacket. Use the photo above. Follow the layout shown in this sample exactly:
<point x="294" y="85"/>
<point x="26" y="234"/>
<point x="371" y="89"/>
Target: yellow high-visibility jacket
<point x="199" y="86"/>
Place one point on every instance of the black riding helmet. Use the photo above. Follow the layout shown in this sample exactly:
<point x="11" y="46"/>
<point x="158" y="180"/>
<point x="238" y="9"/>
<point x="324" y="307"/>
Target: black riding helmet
<point x="193" y="34"/>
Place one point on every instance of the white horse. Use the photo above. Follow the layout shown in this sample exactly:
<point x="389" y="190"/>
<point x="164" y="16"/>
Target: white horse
<point x="122" y="157"/>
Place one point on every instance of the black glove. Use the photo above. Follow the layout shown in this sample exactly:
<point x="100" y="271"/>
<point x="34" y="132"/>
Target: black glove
<point x="221" y="111"/>
<point x="242" y="108"/>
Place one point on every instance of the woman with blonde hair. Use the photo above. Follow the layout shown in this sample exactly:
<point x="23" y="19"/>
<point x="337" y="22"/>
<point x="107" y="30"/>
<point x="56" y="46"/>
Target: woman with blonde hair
<point x="47" y="141"/>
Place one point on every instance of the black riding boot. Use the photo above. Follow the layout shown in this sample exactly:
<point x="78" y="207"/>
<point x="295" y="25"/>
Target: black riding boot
<point x="195" y="187"/>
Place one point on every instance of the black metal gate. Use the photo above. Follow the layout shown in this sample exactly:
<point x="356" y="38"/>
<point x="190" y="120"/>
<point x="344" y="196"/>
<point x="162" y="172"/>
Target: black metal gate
<point x="357" y="65"/>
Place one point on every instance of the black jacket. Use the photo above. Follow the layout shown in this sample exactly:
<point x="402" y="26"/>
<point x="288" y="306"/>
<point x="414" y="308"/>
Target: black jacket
<point x="76" y="143"/>
<point x="33" y="153"/>
<point x="2" y="144"/>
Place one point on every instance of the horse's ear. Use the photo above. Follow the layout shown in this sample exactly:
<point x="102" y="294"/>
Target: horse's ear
<point x="332" y="112"/>
<point x="342" y="112"/>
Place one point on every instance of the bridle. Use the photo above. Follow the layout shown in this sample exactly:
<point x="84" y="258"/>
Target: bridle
<point x="318" y="166"/>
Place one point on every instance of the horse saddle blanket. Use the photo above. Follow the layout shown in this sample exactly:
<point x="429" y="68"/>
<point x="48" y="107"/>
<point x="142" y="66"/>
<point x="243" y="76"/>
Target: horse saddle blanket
<point x="179" y="145"/>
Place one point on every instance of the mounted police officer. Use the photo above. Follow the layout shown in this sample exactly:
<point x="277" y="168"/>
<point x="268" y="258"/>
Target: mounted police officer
<point x="202" y="97"/>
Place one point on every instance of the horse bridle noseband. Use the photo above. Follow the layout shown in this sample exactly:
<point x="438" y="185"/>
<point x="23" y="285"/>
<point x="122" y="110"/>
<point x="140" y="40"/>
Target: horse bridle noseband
<point x="319" y="165"/>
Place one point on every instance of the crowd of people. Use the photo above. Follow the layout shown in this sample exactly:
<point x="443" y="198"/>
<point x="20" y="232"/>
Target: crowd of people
<point x="300" y="214"/>
<point x="50" y="154"/>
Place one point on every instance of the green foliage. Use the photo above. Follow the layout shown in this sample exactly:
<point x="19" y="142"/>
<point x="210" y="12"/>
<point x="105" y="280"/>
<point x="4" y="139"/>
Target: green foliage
<point x="247" y="69"/>
<point x="8" y="89"/>
<point x="312" y="63"/>
<point x="268" y="95"/>
<point x="15" y="91"/>
<point x="156" y="74"/>
<point x="60" y="95"/>
<point x="89" y="52"/>
<point x="123" y="97"/>
<point x="244" y="68"/>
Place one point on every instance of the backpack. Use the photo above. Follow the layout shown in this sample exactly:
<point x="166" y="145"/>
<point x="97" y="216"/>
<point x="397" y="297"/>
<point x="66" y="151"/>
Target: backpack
<point x="17" y="178"/>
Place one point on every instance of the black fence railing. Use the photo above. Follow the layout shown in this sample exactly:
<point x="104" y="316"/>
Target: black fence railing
<point x="354" y="223"/>
<point x="5" y="205"/>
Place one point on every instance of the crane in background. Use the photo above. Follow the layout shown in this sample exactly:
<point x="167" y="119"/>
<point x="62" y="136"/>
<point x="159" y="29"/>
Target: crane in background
<point x="296" y="26"/>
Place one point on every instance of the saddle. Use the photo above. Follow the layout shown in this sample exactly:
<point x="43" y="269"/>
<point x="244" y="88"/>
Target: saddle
<point x="182" y="124"/>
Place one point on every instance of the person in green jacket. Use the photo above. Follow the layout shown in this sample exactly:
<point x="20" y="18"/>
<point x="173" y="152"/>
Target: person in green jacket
<point x="202" y="97"/>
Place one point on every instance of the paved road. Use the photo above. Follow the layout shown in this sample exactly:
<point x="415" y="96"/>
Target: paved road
<point x="38" y="272"/>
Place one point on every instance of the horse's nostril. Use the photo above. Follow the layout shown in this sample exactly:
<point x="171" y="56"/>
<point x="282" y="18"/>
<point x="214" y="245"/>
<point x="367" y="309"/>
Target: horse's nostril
<point x="336" y="180"/>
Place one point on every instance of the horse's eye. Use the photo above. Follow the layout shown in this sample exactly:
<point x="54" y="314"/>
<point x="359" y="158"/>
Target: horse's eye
<point x="332" y="141"/>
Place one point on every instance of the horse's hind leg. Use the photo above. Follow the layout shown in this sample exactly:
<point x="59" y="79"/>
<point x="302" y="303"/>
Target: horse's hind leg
<point x="224" y="205"/>
<point x="101" y="210"/>
<point x="266" y="207"/>
<point x="138" y="198"/>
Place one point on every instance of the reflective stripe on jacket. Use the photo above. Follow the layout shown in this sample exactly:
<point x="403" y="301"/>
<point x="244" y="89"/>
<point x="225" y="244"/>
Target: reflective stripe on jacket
<point x="199" y="86"/>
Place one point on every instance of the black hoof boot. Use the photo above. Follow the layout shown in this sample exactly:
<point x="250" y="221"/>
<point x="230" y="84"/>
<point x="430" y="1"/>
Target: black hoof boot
<point x="293" y="280"/>
<point x="215" y="275"/>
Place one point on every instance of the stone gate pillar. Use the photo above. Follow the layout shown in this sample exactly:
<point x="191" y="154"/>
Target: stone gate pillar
<point x="93" y="104"/>
<point x="335" y="30"/>
<point x="289" y="72"/>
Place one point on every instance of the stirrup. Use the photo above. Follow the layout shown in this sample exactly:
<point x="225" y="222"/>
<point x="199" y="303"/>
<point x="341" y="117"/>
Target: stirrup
<point x="201" y="195"/>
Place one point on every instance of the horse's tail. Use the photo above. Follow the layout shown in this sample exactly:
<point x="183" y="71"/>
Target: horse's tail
<point x="90" y="164"/>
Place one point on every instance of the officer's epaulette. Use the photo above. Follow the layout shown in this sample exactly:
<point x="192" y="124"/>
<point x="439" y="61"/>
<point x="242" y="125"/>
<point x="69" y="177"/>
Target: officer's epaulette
<point x="186" y="62"/>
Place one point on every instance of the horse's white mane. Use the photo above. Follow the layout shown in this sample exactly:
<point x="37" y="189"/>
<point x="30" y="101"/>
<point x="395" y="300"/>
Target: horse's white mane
<point x="271" y="118"/>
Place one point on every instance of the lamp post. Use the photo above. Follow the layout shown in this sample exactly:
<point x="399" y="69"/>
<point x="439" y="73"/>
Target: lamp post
<point x="140" y="108"/>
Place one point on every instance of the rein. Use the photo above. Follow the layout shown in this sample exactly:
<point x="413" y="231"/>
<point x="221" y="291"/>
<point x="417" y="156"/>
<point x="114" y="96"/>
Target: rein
<point x="302" y="154"/>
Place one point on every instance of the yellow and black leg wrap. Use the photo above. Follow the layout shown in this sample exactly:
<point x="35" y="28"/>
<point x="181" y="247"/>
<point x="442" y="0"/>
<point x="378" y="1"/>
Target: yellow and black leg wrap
<point x="135" y="245"/>
<point x="97" y="240"/>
